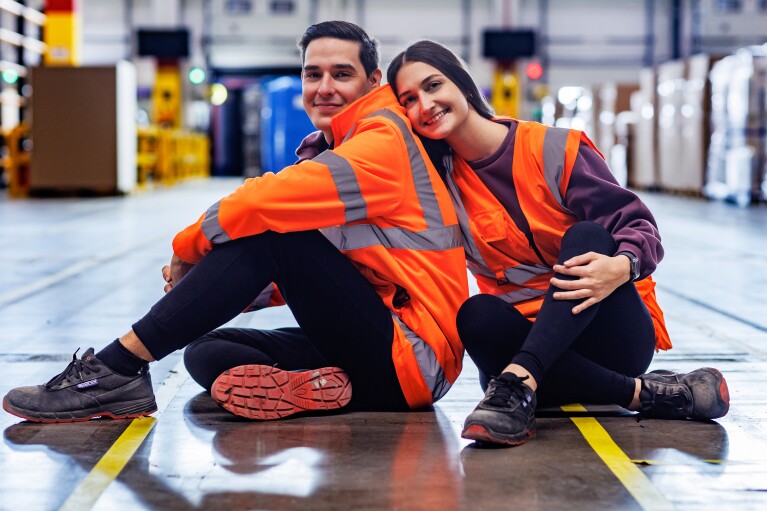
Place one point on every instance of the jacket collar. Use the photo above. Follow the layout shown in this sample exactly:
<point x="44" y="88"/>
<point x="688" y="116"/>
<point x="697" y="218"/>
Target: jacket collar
<point x="380" y="97"/>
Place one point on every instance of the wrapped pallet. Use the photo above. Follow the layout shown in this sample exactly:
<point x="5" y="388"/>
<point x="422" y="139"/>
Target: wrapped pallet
<point x="673" y="171"/>
<point x="716" y="180"/>
<point x="738" y="152"/>
<point x="696" y="113"/>
<point x="613" y="98"/>
<point x="643" y="166"/>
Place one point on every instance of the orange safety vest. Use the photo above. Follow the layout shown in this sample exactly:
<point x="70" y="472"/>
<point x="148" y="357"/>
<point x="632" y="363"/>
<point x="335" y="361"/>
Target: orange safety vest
<point x="498" y="253"/>
<point x="377" y="197"/>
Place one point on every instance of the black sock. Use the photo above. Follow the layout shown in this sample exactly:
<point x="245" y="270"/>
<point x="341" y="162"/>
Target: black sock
<point x="120" y="359"/>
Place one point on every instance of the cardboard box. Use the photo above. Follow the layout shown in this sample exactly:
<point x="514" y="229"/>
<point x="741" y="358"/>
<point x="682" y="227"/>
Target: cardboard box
<point x="84" y="129"/>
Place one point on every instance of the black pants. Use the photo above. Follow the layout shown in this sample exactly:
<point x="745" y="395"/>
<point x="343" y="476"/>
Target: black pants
<point x="590" y="357"/>
<point x="343" y="322"/>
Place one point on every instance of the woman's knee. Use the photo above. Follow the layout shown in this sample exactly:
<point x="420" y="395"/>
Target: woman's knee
<point x="470" y="319"/>
<point x="483" y="319"/>
<point x="588" y="236"/>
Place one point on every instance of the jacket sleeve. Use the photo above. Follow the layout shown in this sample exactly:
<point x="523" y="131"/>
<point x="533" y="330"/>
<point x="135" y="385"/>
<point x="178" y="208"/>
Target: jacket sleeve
<point x="362" y="178"/>
<point x="594" y="194"/>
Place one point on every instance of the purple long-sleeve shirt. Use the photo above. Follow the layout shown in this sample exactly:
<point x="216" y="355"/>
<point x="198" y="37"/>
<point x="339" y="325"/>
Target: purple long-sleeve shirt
<point x="592" y="194"/>
<point x="312" y="145"/>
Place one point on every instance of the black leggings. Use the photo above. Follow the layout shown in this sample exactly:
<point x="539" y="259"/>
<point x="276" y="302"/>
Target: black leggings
<point x="591" y="357"/>
<point x="343" y="322"/>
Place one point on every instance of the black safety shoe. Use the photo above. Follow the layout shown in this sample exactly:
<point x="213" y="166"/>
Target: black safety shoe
<point x="701" y="394"/>
<point x="86" y="389"/>
<point x="506" y="415"/>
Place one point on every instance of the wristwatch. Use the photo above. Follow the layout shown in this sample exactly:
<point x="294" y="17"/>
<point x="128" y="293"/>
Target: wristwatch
<point x="634" y="260"/>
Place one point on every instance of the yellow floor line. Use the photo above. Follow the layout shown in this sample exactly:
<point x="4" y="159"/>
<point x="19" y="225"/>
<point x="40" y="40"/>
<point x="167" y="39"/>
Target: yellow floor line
<point x="637" y="484"/>
<point x="110" y="465"/>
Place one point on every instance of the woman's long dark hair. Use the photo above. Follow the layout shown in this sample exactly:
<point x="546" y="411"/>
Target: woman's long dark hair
<point x="447" y="63"/>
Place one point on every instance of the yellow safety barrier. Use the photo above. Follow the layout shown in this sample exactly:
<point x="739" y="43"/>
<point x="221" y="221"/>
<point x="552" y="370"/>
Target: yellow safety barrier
<point x="16" y="162"/>
<point x="146" y="158"/>
<point x="166" y="156"/>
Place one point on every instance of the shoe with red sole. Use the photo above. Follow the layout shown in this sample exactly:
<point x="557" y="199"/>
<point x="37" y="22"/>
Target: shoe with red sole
<point x="506" y="416"/>
<point x="265" y="393"/>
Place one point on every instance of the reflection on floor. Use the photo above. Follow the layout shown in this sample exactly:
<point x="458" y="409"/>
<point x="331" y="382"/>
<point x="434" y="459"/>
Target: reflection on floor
<point x="77" y="272"/>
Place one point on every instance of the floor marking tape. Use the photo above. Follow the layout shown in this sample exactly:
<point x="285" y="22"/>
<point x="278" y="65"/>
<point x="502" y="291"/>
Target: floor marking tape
<point x="632" y="478"/>
<point x="110" y="465"/>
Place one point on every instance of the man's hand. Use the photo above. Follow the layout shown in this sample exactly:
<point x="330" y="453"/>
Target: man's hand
<point x="598" y="276"/>
<point x="174" y="272"/>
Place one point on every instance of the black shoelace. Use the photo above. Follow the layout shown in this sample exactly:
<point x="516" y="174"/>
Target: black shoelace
<point x="73" y="370"/>
<point x="502" y="389"/>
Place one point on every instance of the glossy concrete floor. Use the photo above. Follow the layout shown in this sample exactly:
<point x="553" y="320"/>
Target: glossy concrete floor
<point x="77" y="272"/>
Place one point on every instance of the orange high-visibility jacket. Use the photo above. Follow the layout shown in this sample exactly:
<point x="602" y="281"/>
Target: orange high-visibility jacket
<point x="378" y="198"/>
<point x="498" y="253"/>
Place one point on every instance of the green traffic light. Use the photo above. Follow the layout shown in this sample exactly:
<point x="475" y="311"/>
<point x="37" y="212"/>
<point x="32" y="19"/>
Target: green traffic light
<point x="196" y="75"/>
<point x="10" y="76"/>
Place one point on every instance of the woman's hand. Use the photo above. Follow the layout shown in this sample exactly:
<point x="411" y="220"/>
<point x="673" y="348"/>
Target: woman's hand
<point x="175" y="271"/>
<point x="598" y="276"/>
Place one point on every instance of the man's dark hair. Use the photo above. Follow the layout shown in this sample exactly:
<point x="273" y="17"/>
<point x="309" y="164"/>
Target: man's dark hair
<point x="447" y="63"/>
<point x="349" y="32"/>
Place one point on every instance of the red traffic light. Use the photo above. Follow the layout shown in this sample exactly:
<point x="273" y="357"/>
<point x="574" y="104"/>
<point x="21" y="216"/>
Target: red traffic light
<point x="534" y="70"/>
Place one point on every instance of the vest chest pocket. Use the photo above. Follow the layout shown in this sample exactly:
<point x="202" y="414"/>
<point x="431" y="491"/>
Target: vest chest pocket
<point x="498" y="233"/>
<point x="490" y="225"/>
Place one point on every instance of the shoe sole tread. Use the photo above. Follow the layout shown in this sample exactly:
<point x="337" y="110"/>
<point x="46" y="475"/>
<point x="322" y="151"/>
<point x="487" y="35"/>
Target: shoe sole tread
<point x="266" y="393"/>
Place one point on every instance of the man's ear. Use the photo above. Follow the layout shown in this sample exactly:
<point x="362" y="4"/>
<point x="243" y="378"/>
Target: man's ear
<point x="375" y="78"/>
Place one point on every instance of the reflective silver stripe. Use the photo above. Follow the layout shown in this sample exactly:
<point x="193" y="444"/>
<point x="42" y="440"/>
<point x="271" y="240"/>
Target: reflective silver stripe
<point x="348" y="186"/>
<point x="262" y="300"/>
<point x="521" y="295"/>
<point x="355" y="207"/>
<point x="427" y="362"/>
<point x="437" y="236"/>
<point x="523" y="273"/>
<point x="211" y="227"/>
<point x="351" y="237"/>
<point x="554" y="143"/>
<point x="473" y="254"/>
<point x="518" y="275"/>
<point x="348" y="134"/>
<point x="421" y="178"/>
<point x="478" y="269"/>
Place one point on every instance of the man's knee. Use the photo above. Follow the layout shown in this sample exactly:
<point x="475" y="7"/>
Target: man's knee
<point x="197" y="358"/>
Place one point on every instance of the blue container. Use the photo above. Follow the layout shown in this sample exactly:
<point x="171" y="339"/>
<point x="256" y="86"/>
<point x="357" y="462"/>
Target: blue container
<point x="284" y="123"/>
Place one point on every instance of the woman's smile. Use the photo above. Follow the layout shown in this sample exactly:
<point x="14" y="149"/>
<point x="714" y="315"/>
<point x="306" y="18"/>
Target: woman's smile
<point x="436" y="118"/>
